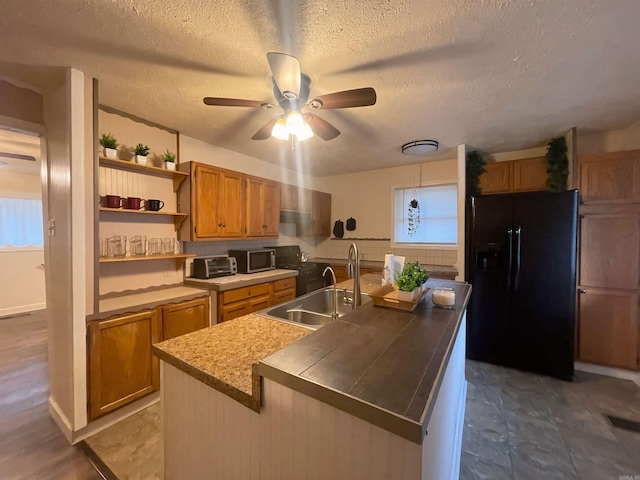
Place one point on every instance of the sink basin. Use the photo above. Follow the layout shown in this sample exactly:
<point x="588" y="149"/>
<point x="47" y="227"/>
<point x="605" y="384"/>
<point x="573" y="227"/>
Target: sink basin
<point x="314" y="309"/>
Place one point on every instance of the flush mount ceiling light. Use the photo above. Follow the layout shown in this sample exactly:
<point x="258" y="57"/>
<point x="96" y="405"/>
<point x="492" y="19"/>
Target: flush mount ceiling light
<point x="2" y="164"/>
<point x="420" y="147"/>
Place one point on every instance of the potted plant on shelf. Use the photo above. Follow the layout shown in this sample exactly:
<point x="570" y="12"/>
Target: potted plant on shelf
<point x="169" y="159"/>
<point x="141" y="152"/>
<point x="110" y="144"/>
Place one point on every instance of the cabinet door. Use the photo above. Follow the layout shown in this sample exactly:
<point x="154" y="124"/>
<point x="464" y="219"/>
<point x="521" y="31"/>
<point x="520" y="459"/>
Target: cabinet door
<point x="259" y="303"/>
<point x="608" y="328"/>
<point x="497" y="178"/>
<point x="232" y="201"/>
<point x="233" y="310"/>
<point x="254" y="207"/>
<point x="121" y="366"/>
<point x="282" y="296"/>
<point x="320" y="225"/>
<point x="289" y="197"/>
<point x="610" y="250"/>
<point x="610" y="178"/>
<point x="205" y="204"/>
<point x="271" y="209"/>
<point x="184" y="317"/>
<point x="530" y="174"/>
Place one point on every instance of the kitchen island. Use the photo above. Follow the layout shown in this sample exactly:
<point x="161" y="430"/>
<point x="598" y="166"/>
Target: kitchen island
<point x="378" y="393"/>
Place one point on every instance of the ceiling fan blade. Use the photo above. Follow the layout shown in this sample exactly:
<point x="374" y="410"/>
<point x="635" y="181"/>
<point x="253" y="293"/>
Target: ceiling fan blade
<point x="265" y="130"/>
<point x="286" y="73"/>
<point x="234" y="102"/>
<point x="360" y="97"/>
<point x="321" y="127"/>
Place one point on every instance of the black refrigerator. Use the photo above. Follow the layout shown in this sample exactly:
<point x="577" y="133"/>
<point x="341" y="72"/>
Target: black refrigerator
<point x="521" y="262"/>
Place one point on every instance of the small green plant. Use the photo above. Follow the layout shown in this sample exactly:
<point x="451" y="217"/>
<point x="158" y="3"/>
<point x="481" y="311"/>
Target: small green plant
<point x="557" y="164"/>
<point x="412" y="276"/>
<point x="142" y="150"/>
<point x="108" y="141"/>
<point x="168" y="157"/>
<point x="474" y="168"/>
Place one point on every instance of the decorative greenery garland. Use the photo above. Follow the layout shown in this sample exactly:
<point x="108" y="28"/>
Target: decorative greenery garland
<point x="557" y="164"/>
<point x="475" y="168"/>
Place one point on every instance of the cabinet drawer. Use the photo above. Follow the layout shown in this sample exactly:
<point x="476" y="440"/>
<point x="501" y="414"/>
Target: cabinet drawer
<point x="283" y="296"/>
<point x="259" y="303"/>
<point x="284" y="284"/>
<point x="245" y="293"/>
<point x="234" y="310"/>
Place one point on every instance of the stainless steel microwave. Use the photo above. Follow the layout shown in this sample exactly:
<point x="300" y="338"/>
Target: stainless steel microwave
<point x="252" y="261"/>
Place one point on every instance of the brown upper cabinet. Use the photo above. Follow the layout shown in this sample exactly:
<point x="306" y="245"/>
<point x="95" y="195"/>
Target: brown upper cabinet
<point x="525" y="175"/>
<point x="262" y="207"/>
<point x="295" y="199"/>
<point x="215" y="199"/>
<point x="610" y="178"/>
<point x="320" y="225"/>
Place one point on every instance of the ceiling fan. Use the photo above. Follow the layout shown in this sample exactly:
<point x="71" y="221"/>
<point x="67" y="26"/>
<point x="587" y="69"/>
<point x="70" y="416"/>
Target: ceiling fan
<point x="291" y="89"/>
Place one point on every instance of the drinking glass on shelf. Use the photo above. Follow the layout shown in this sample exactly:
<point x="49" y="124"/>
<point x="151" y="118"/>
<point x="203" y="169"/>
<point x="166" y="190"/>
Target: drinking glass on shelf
<point x="155" y="246"/>
<point x="104" y="247"/>
<point x="138" y="245"/>
<point x="117" y="245"/>
<point x="169" y="246"/>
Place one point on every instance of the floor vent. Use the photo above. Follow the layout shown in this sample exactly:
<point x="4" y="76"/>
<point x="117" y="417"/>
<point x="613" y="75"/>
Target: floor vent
<point x="624" y="423"/>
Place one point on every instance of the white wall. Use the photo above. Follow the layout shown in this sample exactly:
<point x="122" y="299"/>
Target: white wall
<point x="25" y="291"/>
<point x="366" y="196"/>
<point x="612" y="141"/>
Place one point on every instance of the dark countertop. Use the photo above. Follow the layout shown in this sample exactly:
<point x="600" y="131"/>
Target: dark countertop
<point x="382" y="365"/>
<point x="434" y="270"/>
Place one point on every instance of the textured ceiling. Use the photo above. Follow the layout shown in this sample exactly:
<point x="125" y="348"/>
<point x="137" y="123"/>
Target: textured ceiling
<point x="497" y="75"/>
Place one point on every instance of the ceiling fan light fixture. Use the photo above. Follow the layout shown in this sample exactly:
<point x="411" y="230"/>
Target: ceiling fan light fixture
<point x="280" y="130"/>
<point x="295" y="122"/>
<point x="305" y="133"/>
<point x="420" y="147"/>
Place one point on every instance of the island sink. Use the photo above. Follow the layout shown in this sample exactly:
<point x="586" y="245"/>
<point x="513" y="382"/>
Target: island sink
<point x="314" y="309"/>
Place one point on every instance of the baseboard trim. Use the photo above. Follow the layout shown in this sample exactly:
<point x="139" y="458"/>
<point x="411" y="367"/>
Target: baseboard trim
<point x="609" y="371"/>
<point x="61" y="420"/>
<point x="5" y="312"/>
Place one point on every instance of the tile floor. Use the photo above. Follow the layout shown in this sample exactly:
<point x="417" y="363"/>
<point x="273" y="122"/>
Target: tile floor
<point x="518" y="426"/>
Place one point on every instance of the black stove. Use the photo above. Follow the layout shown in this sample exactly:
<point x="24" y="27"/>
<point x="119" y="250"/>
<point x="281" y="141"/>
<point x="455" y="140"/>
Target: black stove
<point x="309" y="273"/>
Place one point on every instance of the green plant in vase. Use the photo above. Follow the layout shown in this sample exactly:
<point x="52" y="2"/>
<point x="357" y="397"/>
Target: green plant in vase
<point x="110" y="145"/>
<point x="407" y="281"/>
<point x="557" y="164"/>
<point x="474" y="168"/>
<point x="169" y="159"/>
<point x="141" y="152"/>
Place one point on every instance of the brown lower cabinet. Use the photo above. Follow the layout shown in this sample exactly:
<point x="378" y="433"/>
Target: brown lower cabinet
<point x="121" y="366"/>
<point x="242" y="301"/>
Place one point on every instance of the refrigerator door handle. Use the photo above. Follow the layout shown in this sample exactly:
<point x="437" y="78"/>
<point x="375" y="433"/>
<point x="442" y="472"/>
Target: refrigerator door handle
<point x="510" y="262"/>
<point x="516" y="281"/>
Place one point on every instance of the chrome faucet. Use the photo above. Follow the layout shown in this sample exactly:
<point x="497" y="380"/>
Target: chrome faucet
<point x="334" y="315"/>
<point x="353" y="271"/>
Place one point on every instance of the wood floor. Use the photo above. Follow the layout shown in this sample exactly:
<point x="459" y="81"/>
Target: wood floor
<point x="31" y="445"/>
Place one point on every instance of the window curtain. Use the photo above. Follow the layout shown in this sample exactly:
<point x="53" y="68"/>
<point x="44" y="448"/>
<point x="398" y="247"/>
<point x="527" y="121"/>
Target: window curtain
<point x="20" y="222"/>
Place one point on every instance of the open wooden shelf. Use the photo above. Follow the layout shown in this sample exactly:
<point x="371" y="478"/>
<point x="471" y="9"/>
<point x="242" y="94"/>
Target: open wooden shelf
<point x="178" y="257"/>
<point x="178" y="217"/>
<point x="177" y="176"/>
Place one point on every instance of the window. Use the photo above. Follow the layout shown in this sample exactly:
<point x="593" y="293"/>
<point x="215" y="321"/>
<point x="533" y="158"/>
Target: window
<point x="425" y="216"/>
<point x="20" y="222"/>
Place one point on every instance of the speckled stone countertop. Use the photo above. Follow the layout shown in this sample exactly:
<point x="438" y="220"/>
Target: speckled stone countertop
<point x="225" y="356"/>
<point x="434" y="270"/>
<point x="240" y="280"/>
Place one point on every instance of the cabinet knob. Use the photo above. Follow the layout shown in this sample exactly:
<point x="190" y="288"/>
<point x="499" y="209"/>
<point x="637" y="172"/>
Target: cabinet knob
<point x="582" y="290"/>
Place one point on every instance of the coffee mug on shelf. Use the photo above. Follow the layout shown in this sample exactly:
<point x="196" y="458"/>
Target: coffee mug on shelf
<point x="155" y="246"/>
<point x="104" y="247"/>
<point x="118" y="246"/>
<point x="111" y="201"/>
<point x="133" y="203"/>
<point x="153" y="205"/>
<point x="138" y="245"/>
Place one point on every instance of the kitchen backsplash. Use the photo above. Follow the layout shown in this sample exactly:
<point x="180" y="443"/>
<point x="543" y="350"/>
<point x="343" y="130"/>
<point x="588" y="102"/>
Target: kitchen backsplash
<point x="327" y="248"/>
